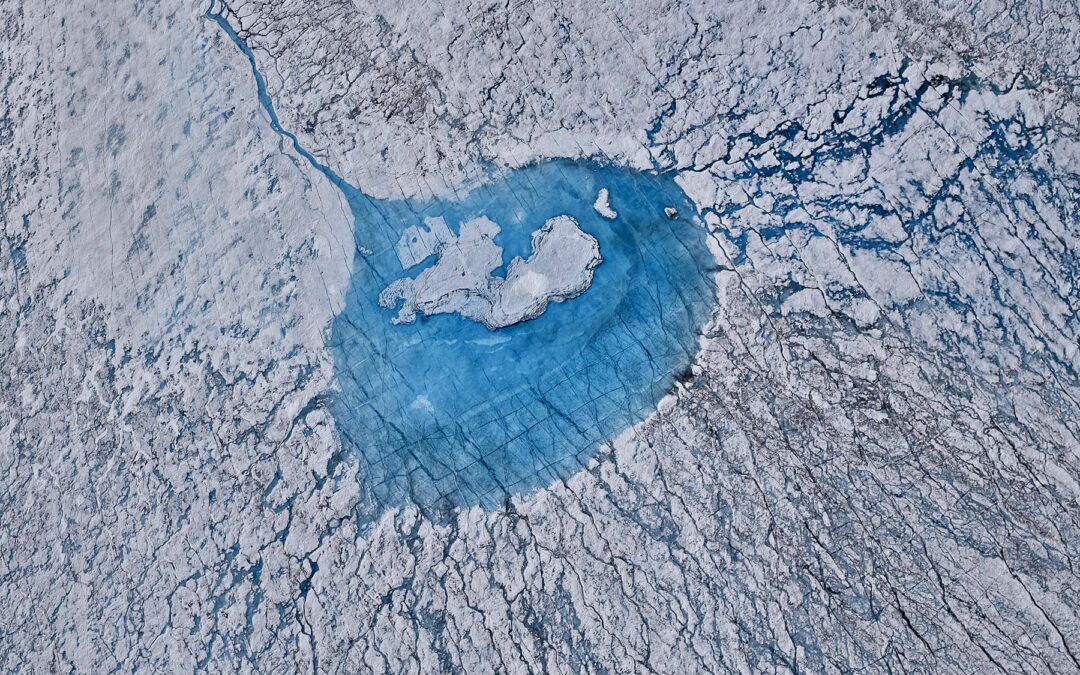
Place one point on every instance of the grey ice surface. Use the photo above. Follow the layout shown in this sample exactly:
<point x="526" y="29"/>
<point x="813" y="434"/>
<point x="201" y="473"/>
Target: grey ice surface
<point x="461" y="281"/>
<point x="873" y="465"/>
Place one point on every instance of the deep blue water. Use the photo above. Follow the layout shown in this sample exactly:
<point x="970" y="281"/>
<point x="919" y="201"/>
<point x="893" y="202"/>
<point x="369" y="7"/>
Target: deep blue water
<point x="444" y="412"/>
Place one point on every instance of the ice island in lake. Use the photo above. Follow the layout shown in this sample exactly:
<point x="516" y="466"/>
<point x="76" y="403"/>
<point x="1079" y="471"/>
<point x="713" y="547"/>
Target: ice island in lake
<point x="461" y="280"/>
<point x="530" y="350"/>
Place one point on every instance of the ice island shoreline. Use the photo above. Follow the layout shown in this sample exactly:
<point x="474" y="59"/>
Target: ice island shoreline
<point x="561" y="267"/>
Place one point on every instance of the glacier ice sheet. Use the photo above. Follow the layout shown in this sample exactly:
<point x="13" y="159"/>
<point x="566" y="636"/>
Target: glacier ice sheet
<point x="873" y="467"/>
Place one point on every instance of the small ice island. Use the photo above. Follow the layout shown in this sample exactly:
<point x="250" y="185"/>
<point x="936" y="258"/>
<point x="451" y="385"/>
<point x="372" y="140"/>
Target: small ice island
<point x="461" y="280"/>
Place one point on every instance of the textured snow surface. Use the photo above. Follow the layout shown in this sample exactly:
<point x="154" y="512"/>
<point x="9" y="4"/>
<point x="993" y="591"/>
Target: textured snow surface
<point x="872" y="464"/>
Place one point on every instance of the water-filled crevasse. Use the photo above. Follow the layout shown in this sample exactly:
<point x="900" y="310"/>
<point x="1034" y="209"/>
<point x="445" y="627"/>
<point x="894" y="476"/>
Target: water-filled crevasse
<point x="445" y="412"/>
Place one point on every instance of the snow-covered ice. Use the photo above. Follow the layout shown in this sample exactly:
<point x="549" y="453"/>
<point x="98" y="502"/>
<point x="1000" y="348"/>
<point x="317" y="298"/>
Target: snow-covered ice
<point x="603" y="205"/>
<point x="460" y="281"/>
<point x="822" y="417"/>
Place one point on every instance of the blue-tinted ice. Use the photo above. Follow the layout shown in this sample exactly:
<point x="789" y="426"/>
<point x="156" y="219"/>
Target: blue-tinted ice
<point x="445" y="412"/>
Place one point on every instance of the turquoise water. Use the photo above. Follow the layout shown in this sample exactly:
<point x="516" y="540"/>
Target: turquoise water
<point x="444" y="412"/>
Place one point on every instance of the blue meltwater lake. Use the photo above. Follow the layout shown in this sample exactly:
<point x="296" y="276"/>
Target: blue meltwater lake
<point x="446" y="412"/>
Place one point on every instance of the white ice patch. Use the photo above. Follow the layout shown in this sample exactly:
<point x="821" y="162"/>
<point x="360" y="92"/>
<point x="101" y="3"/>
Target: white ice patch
<point x="422" y="402"/>
<point x="603" y="206"/>
<point x="560" y="267"/>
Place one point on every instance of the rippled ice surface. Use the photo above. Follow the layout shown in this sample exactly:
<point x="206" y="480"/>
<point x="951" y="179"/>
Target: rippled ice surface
<point x="447" y="412"/>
